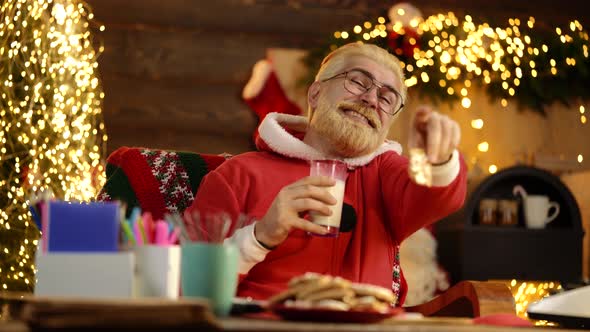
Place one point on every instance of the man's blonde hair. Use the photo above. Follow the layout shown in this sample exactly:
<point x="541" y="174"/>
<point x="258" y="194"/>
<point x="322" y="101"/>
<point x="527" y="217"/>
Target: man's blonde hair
<point x="334" y="62"/>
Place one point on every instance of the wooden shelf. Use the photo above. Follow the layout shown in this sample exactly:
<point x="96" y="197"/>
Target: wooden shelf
<point x="470" y="251"/>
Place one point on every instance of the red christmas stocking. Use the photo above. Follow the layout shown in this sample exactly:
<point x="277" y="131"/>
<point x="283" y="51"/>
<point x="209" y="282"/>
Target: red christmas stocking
<point x="264" y="94"/>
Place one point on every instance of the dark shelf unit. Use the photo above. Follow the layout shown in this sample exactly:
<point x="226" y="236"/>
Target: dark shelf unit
<point x="469" y="251"/>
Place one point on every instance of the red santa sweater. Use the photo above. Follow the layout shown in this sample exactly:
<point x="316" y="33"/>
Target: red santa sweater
<point x="383" y="207"/>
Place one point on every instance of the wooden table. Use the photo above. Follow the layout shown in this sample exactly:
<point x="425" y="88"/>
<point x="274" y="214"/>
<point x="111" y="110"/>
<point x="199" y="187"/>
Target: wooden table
<point x="235" y="324"/>
<point x="392" y="325"/>
<point x="21" y="312"/>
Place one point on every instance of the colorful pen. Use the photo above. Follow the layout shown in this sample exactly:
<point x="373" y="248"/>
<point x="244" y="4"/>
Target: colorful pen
<point x="137" y="231"/>
<point x="161" y="237"/>
<point x="127" y="231"/>
<point x="174" y="236"/>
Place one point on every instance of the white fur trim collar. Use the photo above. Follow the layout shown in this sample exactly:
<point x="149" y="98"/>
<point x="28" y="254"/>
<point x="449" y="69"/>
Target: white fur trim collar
<point x="273" y="133"/>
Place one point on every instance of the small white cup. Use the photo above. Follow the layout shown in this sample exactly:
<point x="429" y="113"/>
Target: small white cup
<point x="157" y="271"/>
<point x="536" y="211"/>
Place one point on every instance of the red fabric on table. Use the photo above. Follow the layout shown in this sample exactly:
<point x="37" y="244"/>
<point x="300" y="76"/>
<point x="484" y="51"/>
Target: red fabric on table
<point x="502" y="320"/>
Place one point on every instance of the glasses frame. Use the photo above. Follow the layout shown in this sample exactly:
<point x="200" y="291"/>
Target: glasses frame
<point x="374" y="83"/>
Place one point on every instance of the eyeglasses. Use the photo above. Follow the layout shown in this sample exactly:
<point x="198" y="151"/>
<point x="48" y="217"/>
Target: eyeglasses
<point x="358" y="82"/>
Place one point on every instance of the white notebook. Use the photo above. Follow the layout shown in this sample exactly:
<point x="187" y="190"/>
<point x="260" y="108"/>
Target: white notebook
<point x="570" y="308"/>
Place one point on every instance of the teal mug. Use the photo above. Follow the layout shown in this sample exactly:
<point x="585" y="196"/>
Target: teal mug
<point x="210" y="271"/>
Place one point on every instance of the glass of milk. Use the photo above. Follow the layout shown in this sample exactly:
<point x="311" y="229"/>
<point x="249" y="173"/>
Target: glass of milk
<point x="338" y="171"/>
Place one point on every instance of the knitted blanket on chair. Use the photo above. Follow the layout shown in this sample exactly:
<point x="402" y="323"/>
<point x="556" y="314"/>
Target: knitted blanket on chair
<point x="157" y="181"/>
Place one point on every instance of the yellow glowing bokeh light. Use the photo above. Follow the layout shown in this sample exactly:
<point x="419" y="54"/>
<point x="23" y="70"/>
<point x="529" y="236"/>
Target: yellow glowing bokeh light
<point x="580" y="158"/>
<point x="492" y="169"/>
<point x="477" y="124"/>
<point x="528" y="292"/>
<point x="465" y="102"/>
<point x="483" y="146"/>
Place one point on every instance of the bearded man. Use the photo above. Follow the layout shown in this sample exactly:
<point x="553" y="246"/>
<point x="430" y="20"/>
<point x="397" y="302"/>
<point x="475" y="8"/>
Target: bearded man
<point x="357" y="93"/>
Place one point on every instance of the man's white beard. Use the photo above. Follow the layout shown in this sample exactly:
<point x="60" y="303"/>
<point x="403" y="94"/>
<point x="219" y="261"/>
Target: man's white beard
<point x="347" y="137"/>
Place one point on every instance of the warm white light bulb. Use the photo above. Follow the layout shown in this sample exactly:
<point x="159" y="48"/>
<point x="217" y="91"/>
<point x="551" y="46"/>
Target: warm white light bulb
<point x="477" y="123"/>
<point x="483" y="146"/>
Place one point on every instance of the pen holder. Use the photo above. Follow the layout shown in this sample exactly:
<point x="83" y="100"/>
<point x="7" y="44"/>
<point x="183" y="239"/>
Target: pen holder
<point x="210" y="271"/>
<point x="157" y="271"/>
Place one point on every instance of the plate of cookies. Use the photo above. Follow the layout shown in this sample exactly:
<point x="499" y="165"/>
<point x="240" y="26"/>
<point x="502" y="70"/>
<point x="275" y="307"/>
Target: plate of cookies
<point x="324" y="298"/>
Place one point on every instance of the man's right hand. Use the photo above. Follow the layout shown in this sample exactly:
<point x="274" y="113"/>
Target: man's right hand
<point x="290" y="205"/>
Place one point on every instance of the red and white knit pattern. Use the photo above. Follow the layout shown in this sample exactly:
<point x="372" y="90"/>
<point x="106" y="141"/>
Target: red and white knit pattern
<point x="396" y="276"/>
<point x="172" y="177"/>
<point x="103" y="196"/>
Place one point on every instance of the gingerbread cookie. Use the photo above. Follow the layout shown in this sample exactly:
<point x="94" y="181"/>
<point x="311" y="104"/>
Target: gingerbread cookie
<point x="314" y="290"/>
<point x="419" y="169"/>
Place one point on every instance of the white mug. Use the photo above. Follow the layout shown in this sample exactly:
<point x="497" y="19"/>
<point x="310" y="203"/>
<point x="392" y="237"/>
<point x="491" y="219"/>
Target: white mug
<point x="536" y="211"/>
<point x="536" y="208"/>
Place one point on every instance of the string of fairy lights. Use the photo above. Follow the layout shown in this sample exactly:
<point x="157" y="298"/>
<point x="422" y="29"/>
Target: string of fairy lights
<point x="52" y="135"/>
<point x="451" y="59"/>
<point x="528" y="292"/>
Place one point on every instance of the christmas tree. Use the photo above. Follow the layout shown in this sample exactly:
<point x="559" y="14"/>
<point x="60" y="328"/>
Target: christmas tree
<point x="52" y="135"/>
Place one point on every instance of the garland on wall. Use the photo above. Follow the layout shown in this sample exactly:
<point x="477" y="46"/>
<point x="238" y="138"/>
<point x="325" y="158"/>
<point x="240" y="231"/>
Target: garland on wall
<point x="444" y="57"/>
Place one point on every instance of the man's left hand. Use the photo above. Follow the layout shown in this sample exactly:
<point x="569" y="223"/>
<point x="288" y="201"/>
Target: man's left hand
<point x="436" y="133"/>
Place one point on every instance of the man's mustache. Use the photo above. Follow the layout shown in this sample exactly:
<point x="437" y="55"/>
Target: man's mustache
<point x="363" y="110"/>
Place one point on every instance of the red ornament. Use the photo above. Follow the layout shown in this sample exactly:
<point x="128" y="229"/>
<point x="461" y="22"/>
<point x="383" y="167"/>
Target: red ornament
<point x="403" y="44"/>
<point x="23" y="177"/>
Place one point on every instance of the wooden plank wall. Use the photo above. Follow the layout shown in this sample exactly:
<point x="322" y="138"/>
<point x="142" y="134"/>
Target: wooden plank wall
<point x="173" y="70"/>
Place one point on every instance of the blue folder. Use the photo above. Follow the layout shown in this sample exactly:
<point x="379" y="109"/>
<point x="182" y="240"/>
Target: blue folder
<point x="82" y="227"/>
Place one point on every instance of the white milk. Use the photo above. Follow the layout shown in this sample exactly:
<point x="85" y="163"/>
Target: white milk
<point x="333" y="220"/>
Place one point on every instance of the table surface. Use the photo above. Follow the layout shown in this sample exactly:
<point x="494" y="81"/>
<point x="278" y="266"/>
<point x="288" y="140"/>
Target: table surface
<point x="236" y="324"/>
<point x="391" y="325"/>
<point x="58" y="313"/>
